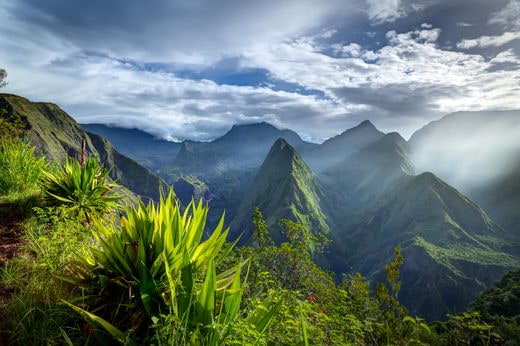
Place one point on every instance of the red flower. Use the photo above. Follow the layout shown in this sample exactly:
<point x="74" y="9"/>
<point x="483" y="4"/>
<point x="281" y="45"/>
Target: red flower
<point x="311" y="298"/>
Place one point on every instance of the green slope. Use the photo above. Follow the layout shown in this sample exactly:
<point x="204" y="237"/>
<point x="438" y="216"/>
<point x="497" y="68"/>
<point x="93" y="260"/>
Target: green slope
<point x="503" y="299"/>
<point x="452" y="249"/>
<point x="57" y="135"/>
<point x="501" y="199"/>
<point x="284" y="187"/>
<point x="368" y="171"/>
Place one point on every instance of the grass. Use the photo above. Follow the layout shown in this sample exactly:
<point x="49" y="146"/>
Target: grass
<point x="20" y="169"/>
<point x="33" y="313"/>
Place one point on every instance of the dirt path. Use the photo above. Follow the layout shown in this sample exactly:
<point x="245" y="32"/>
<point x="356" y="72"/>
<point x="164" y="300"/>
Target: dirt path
<point x="11" y="242"/>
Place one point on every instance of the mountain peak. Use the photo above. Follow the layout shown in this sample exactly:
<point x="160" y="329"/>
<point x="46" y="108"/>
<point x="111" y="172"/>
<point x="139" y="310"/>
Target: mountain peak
<point x="281" y="144"/>
<point x="365" y="123"/>
<point x="261" y="126"/>
<point x="284" y="188"/>
<point x="393" y="137"/>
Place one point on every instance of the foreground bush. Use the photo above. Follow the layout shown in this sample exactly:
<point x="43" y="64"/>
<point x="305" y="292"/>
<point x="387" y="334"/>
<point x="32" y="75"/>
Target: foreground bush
<point x="20" y="169"/>
<point x="154" y="270"/>
<point x="85" y="189"/>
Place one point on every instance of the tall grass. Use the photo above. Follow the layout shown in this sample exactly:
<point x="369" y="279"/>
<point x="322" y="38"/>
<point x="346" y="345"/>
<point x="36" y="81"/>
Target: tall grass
<point x="33" y="314"/>
<point x="20" y="169"/>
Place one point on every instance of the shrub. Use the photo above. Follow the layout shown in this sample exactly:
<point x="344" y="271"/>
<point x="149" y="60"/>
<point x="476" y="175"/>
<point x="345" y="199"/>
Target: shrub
<point x="20" y="169"/>
<point x="85" y="189"/>
<point x="155" y="269"/>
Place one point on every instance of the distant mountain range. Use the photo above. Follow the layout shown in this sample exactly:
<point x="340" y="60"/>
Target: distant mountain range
<point x="366" y="190"/>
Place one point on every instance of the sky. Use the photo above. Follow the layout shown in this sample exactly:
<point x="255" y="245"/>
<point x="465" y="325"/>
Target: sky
<point x="190" y="69"/>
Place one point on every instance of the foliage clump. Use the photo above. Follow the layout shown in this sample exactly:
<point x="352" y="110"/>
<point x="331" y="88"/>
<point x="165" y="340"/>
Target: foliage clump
<point x="84" y="188"/>
<point x="20" y="168"/>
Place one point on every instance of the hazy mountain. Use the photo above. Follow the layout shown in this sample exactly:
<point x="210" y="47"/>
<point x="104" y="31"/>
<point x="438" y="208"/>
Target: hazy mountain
<point x="138" y="145"/>
<point x="242" y="147"/>
<point x="501" y="198"/>
<point x="468" y="149"/>
<point x="57" y="135"/>
<point x="452" y="249"/>
<point x="284" y="187"/>
<point x="479" y="153"/>
<point x="188" y="188"/>
<point x="370" y="170"/>
<point x="338" y="148"/>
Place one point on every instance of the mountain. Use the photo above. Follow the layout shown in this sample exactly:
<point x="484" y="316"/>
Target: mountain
<point x="479" y="153"/>
<point x="362" y="190"/>
<point x="501" y="199"/>
<point x="284" y="187"/>
<point x="242" y="147"/>
<point x="57" y="135"/>
<point x="138" y="145"/>
<point x="188" y="188"/>
<point x="256" y="139"/>
<point x="468" y="149"/>
<point x="501" y="300"/>
<point x="371" y="169"/>
<point x="338" y="148"/>
<point x="451" y="247"/>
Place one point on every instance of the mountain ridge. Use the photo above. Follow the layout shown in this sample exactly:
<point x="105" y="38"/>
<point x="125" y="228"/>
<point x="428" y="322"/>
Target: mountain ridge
<point x="284" y="187"/>
<point x="57" y="135"/>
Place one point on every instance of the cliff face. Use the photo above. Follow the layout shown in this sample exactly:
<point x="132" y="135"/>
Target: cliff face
<point x="57" y="135"/>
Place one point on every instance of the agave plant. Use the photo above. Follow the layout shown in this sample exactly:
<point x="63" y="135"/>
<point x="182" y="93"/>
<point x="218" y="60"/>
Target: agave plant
<point x="158" y="259"/>
<point x="85" y="188"/>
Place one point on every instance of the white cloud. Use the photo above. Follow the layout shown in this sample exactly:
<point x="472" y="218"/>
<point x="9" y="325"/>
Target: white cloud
<point x="489" y="41"/>
<point x="399" y="86"/>
<point x="508" y="17"/>
<point x="181" y="32"/>
<point x="465" y="25"/>
<point x="406" y="82"/>
<point x="507" y="56"/>
<point x="381" y="11"/>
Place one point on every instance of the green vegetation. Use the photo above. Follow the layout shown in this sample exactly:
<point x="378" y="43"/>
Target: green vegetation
<point x="20" y="169"/>
<point x="56" y="136"/>
<point x="88" y="270"/>
<point x="85" y="188"/>
<point x="284" y="188"/>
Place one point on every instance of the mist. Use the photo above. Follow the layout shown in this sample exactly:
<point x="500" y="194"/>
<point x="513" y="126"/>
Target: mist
<point x="469" y="150"/>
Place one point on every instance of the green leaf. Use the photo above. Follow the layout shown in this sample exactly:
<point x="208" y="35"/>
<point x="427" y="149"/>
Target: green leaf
<point x="303" y="327"/>
<point x="116" y="333"/>
<point x="206" y="299"/>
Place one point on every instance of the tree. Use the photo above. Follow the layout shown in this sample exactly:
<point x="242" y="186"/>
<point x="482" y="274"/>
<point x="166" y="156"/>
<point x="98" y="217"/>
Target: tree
<point x="260" y="232"/>
<point x="3" y="77"/>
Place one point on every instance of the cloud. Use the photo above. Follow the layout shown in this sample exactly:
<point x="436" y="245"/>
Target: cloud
<point x="146" y="64"/>
<point x="101" y="89"/>
<point x="465" y="25"/>
<point x="182" y="32"/>
<point x="508" y="17"/>
<point x="382" y="11"/>
<point x="489" y="41"/>
<point x="406" y="82"/>
<point x="507" y="56"/>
